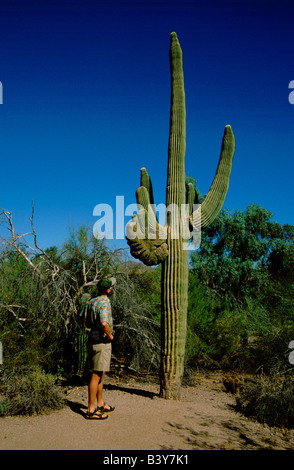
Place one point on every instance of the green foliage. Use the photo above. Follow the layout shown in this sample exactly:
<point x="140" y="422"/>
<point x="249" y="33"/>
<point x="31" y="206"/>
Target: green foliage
<point x="40" y="297"/>
<point x="14" y="280"/>
<point x="84" y="254"/>
<point x="245" y="271"/>
<point x="215" y="334"/>
<point x="233" y="253"/>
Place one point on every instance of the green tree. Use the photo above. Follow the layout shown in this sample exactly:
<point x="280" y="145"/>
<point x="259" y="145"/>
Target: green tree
<point x="235" y="251"/>
<point x="245" y="267"/>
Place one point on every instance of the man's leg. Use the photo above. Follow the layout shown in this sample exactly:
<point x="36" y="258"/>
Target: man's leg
<point x="100" y="388"/>
<point x="93" y="391"/>
<point x="101" y="358"/>
<point x="94" y="385"/>
<point x="100" y="402"/>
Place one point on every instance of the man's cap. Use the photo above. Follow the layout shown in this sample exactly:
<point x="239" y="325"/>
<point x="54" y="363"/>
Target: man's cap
<point x="105" y="283"/>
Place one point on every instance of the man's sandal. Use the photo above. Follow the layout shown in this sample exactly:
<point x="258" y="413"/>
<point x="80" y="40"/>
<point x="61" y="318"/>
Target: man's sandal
<point x="95" y="415"/>
<point x="106" y="410"/>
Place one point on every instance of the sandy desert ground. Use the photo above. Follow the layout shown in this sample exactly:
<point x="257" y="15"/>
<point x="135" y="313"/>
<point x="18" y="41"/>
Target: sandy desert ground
<point x="204" y="419"/>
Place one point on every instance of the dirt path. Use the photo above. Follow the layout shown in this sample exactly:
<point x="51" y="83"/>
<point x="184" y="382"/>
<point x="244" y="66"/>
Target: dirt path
<point x="204" y="419"/>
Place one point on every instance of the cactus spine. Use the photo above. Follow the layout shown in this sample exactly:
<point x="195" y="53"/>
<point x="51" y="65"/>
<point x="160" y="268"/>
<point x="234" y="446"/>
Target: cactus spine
<point x="154" y="244"/>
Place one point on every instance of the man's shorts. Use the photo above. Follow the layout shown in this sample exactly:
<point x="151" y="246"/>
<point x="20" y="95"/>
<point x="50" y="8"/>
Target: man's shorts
<point x="101" y="357"/>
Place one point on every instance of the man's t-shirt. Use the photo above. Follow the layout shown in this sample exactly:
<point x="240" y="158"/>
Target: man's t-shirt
<point x="100" y="309"/>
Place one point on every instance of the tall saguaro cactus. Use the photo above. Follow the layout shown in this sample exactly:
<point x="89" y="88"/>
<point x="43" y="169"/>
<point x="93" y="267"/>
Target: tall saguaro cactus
<point x="154" y="244"/>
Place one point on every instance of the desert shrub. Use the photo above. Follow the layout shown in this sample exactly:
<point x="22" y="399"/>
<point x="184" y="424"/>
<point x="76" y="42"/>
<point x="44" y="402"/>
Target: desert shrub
<point x="137" y="332"/>
<point x="27" y="392"/>
<point x="215" y="333"/>
<point x="246" y="336"/>
<point x="270" y="351"/>
<point x="269" y="399"/>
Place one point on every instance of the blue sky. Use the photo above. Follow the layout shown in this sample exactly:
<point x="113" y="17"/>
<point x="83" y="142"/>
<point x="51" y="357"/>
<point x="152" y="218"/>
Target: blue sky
<point x="86" y="99"/>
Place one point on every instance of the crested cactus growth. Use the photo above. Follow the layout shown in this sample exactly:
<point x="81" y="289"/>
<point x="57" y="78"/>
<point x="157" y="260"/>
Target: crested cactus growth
<point x="154" y="244"/>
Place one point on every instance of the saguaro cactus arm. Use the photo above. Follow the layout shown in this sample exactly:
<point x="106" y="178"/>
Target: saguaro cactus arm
<point x="215" y="197"/>
<point x="145" y="236"/>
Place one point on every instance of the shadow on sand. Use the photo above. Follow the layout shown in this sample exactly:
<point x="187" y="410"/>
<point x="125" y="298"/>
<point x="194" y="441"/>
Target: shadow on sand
<point x="132" y="391"/>
<point x="81" y="409"/>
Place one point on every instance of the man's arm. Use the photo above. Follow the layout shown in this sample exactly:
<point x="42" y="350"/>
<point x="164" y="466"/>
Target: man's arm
<point x="106" y="330"/>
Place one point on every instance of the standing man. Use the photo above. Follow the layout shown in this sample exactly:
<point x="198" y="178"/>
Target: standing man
<point x="101" y="337"/>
